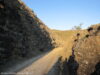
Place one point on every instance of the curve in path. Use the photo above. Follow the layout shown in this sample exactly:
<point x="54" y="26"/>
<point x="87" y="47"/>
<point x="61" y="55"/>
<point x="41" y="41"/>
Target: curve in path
<point x="43" y="65"/>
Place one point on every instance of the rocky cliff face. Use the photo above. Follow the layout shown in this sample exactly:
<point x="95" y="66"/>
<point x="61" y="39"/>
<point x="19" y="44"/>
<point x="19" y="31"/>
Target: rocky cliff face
<point x="22" y="33"/>
<point x="87" y="52"/>
<point x="85" y="57"/>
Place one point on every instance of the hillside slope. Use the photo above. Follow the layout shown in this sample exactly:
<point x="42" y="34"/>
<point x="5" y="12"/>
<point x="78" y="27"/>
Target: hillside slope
<point x="22" y="33"/>
<point x="87" y="52"/>
<point x="85" y="57"/>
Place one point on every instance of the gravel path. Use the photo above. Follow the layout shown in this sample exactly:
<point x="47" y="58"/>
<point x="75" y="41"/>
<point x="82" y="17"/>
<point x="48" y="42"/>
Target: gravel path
<point x="43" y="65"/>
<point x="39" y="65"/>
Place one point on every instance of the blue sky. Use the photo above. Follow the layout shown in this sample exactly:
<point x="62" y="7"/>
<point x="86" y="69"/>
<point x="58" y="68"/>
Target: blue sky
<point x="64" y="14"/>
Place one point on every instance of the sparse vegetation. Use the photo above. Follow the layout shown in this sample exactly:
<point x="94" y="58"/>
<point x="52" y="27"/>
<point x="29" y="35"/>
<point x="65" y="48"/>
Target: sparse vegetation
<point x="79" y="27"/>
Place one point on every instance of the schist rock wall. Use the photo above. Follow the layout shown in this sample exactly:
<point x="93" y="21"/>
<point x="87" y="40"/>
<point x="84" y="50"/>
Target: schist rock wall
<point x="85" y="59"/>
<point x="22" y="33"/>
<point x="87" y="52"/>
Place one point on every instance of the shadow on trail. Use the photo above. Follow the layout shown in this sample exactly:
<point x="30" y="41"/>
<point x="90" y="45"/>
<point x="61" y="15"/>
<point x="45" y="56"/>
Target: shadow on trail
<point x="70" y="66"/>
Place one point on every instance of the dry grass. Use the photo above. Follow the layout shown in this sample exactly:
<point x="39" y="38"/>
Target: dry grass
<point x="65" y="39"/>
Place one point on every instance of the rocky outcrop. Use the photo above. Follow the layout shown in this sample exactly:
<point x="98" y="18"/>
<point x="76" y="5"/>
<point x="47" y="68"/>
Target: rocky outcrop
<point x="22" y="33"/>
<point x="85" y="58"/>
<point x="87" y="52"/>
<point x="94" y="30"/>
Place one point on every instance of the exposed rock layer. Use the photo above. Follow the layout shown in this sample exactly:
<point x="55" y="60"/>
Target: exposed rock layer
<point x="22" y="34"/>
<point x="87" y="52"/>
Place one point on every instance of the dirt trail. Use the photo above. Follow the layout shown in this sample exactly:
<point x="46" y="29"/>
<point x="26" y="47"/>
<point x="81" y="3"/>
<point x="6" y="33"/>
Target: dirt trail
<point x="45" y="62"/>
<point x="11" y="69"/>
<point x="43" y="65"/>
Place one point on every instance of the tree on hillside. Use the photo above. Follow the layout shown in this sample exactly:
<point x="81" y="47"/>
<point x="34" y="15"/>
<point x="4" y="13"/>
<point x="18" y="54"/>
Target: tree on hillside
<point x="79" y="27"/>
